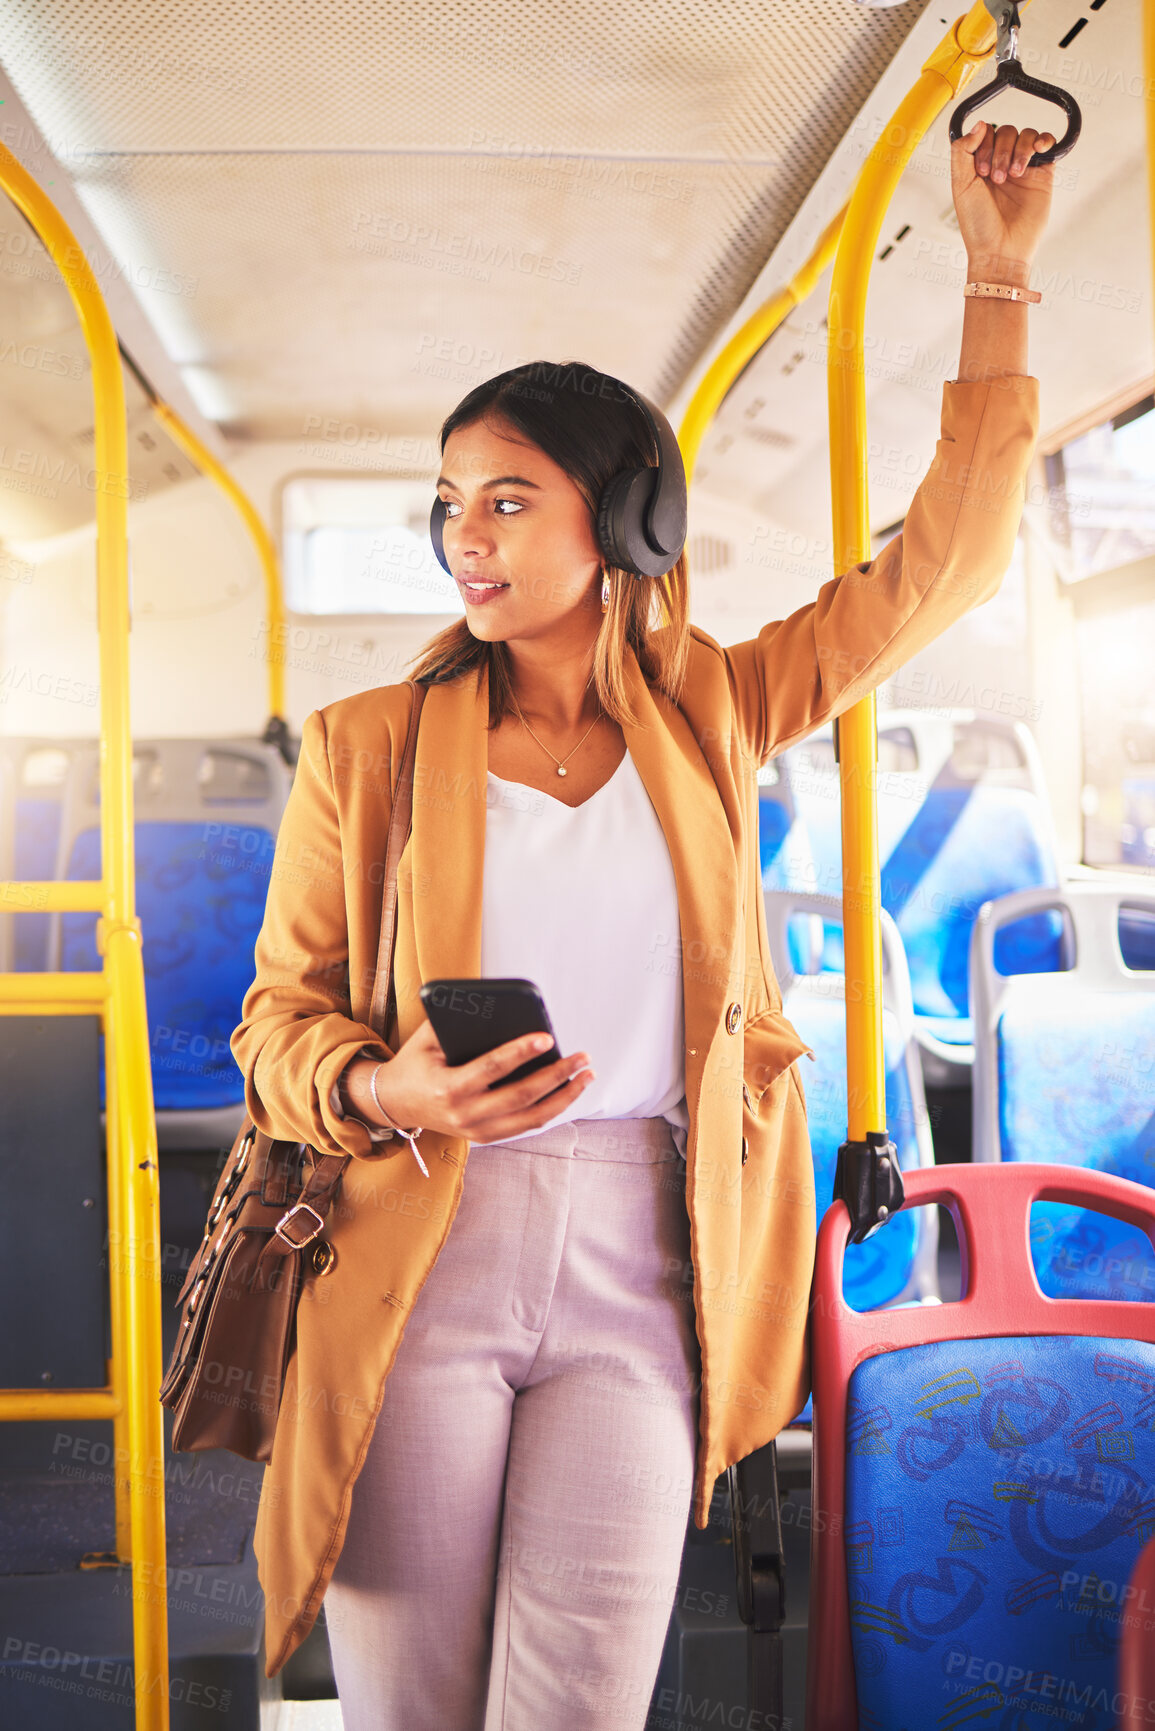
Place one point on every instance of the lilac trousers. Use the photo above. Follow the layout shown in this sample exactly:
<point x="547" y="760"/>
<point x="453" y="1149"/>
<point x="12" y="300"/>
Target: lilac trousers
<point x="516" y="1531"/>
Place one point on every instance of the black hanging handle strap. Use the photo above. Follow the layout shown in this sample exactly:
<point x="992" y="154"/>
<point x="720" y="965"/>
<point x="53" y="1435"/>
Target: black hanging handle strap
<point x="1010" y="76"/>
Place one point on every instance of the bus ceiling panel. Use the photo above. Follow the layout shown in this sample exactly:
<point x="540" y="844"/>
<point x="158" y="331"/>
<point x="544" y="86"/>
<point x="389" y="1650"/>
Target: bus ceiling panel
<point x="592" y="78"/>
<point x="408" y="280"/>
<point x="356" y="212"/>
<point x="1089" y="339"/>
<point x="50" y="167"/>
<point x="47" y="481"/>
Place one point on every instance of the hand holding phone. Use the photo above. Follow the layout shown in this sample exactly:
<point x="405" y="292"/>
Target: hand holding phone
<point x="472" y="1017"/>
<point x="502" y="1076"/>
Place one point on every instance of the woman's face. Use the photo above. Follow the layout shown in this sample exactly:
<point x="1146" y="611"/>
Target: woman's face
<point x="516" y="520"/>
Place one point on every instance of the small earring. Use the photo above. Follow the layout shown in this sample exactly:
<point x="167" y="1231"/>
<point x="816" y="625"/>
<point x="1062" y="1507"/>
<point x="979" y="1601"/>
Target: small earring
<point x="605" y="591"/>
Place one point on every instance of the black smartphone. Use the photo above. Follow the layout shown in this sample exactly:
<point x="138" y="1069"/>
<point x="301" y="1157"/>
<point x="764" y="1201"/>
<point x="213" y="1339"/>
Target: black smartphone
<point x="471" y="1017"/>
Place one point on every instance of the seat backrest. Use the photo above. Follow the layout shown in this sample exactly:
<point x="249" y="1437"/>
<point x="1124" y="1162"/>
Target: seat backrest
<point x="899" y="1264"/>
<point x="1065" y="1070"/>
<point x="207" y="813"/>
<point x="983" y="1469"/>
<point x="963" y="817"/>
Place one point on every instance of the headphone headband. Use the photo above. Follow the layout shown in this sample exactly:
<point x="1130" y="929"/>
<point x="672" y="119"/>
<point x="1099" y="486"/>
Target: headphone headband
<point x="641" y="515"/>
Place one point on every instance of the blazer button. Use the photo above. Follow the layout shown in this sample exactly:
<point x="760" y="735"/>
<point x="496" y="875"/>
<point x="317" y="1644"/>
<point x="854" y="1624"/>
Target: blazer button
<point x="733" y="1018"/>
<point x="745" y="1150"/>
<point x="323" y="1257"/>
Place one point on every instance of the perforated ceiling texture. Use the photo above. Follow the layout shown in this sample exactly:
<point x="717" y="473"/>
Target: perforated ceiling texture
<point x="364" y="209"/>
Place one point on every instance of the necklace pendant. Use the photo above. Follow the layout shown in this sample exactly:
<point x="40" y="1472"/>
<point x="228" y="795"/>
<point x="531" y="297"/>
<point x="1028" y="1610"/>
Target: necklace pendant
<point x="560" y="770"/>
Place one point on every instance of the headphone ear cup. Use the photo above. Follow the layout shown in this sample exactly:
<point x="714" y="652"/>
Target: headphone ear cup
<point x="611" y="529"/>
<point x="622" y="524"/>
<point x="436" y="532"/>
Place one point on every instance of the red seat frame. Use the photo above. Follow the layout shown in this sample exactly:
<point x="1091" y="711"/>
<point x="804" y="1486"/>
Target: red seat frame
<point x="991" y="1208"/>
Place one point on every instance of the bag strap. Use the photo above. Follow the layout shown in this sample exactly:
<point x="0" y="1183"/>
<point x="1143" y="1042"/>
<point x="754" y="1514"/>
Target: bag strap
<point x="400" y="822"/>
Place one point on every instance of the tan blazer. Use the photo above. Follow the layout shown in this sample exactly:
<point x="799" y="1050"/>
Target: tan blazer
<point x="750" y="1188"/>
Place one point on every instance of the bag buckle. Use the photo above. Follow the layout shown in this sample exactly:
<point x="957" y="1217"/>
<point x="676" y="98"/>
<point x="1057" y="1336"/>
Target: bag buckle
<point x="287" y="1238"/>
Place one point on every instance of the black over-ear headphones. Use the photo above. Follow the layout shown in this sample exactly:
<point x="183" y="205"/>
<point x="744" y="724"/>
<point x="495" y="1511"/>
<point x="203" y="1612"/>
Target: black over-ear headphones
<point x="641" y="518"/>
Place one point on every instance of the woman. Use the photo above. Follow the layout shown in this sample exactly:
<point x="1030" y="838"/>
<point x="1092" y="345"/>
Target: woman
<point x="491" y="1436"/>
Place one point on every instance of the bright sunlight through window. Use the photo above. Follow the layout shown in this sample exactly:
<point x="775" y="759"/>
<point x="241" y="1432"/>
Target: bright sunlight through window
<point x="354" y="546"/>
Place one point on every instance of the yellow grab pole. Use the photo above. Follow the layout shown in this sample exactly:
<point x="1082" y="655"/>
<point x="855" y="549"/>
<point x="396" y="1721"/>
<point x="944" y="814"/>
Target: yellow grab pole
<point x="200" y="454"/>
<point x="737" y="354"/>
<point x="134" y="1197"/>
<point x="969" y="41"/>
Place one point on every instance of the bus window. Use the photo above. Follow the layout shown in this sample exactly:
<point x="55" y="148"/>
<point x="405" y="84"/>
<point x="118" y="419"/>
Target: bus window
<point x="1116" y="653"/>
<point x="355" y="545"/>
<point x="1103" y="523"/>
<point x="1103" y="493"/>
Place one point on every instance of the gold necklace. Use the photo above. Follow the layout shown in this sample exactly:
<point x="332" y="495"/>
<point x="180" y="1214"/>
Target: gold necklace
<point x="560" y="761"/>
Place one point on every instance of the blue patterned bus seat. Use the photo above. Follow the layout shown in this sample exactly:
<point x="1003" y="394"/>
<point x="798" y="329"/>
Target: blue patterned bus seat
<point x="200" y="905"/>
<point x="964" y="847"/>
<point x="1076" y="1083"/>
<point x="999" y="1492"/>
<point x="976" y="831"/>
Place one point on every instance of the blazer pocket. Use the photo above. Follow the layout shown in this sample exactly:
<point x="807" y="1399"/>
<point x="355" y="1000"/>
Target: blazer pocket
<point x="770" y="1045"/>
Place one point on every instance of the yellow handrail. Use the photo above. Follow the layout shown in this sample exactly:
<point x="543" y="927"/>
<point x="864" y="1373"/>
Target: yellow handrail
<point x="969" y="41"/>
<point x="737" y="354"/>
<point x="199" y="453"/>
<point x="87" y="992"/>
<point x="133" y="1190"/>
<point x="50" y="898"/>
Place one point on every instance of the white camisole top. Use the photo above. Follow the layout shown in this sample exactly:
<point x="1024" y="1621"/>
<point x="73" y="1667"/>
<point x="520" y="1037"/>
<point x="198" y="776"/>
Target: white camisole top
<point x="582" y="901"/>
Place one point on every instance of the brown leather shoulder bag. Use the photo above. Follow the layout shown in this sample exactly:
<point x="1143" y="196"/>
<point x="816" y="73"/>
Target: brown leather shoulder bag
<point x="239" y="1300"/>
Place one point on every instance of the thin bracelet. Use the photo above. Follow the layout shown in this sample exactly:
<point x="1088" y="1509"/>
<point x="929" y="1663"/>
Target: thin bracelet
<point x="1000" y="291"/>
<point x="409" y="1135"/>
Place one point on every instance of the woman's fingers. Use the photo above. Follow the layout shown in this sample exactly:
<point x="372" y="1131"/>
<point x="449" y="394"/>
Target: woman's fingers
<point x="977" y="144"/>
<point x="419" y="1087"/>
<point x="508" y="1126"/>
<point x="999" y="153"/>
<point x="1002" y="150"/>
<point x="475" y="1077"/>
<point x="493" y="1113"/>
<point x="1028" y="142"/>
<point x="523" y="1095"/>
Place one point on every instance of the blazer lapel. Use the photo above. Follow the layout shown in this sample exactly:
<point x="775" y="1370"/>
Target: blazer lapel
<point x="677" y="778"/>
<point x="448" y="837"/>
